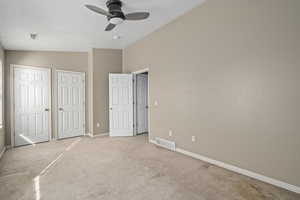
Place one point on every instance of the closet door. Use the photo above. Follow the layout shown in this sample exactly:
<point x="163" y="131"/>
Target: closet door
<point x="71" y="104"/>
<point x="31" y="105"/>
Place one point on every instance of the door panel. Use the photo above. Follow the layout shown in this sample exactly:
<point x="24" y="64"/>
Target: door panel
<point x="32" y="106"/>
<point x="71" y="104"/>
<point x="120" y="105"/>
<point x="142" y="103"/>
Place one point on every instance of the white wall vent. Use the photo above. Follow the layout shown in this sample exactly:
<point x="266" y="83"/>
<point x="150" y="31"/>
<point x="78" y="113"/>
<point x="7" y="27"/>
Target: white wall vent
<point x="165" y="143"/>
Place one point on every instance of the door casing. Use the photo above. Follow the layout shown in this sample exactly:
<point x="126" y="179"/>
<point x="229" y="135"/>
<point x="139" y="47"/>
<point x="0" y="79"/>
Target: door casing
<point x="141" y="103"/>
<point x="149" y="102"/>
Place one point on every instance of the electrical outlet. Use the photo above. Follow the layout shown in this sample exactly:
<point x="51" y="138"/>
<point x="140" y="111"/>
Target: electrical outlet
<point x="170" y="133"/>
<point x="193" y="138"/>
<point x="98" y="124"/>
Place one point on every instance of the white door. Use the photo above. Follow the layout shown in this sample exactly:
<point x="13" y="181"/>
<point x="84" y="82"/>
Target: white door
<point x="31" y="105"/>
<point x="71" y="104"/>
<point x="142" y="103"/>
<point x="120" y="105"/>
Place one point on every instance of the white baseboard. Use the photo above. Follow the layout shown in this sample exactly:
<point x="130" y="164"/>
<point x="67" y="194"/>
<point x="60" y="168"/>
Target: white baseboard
<point x="245" y="172"/>
<point x="238" y="170"/>
<point x="89" y="135"/>
<point x="97" y="135"/>
<point x="153" y="142"/>
<point x="2" y="152"/>
<point x="101" y="135"/>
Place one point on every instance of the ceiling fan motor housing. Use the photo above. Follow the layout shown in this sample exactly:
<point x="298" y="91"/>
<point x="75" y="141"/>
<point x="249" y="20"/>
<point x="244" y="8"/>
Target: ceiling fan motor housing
<point x="115" y="8"/>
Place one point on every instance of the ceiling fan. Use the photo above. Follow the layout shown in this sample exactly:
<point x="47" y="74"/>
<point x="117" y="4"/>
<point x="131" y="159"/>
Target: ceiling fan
<point x="115" y="14"/>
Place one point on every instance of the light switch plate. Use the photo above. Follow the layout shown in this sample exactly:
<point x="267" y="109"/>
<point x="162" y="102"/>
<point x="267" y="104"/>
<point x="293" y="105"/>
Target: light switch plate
<point x="98" y="124"/>
<point x="170" y="133"/>
<point x="193" y="138"/>
<point x="155" y="103"/>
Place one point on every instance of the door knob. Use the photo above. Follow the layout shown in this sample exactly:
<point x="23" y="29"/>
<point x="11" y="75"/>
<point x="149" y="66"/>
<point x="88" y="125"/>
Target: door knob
<point x="61" y="109"/>
<point x="47" y="109"/>
<point x="110" y="108"/>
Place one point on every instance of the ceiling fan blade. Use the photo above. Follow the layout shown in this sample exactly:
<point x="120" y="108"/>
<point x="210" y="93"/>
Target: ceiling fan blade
<point x="137" y="16"/>
<point x="110" y="27"/>
<point x="98" y="10"/>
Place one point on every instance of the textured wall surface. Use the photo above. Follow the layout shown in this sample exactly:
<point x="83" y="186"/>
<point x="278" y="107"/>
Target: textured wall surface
<point x="228" y="73"/>
<point x="105" y="61"/>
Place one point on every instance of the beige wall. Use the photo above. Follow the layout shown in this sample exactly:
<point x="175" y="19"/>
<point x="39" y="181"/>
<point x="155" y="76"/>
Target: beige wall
<point x="2" y="132"/>
<point x="97" y="64"/>
<point x="72" y="61"/>
<point x="104" y="61"/>
<point x="228" y="73"/>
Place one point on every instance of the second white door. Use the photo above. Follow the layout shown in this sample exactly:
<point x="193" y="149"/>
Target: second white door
<point x="71" y="104"/>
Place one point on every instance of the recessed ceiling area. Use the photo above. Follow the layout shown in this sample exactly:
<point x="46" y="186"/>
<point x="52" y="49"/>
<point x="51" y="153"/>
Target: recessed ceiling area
<point x="66" y="25"/>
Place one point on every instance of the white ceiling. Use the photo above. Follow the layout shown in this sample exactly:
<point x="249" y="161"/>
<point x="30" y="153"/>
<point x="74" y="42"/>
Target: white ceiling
<point x="66" y="25"/>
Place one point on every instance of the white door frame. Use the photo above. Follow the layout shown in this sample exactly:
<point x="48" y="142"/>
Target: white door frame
<point x="134" y="94"/>
<point x="55" y="87"/>
<point x="12" y="100"/>
<point x="3" y="94"/>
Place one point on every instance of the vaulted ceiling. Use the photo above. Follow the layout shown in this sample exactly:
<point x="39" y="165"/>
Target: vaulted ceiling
<point x="66" y="25"/>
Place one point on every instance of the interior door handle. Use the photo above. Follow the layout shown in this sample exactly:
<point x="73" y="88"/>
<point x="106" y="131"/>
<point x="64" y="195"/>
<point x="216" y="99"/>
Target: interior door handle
<point x="47" y="109"/>
<point x="61" y="109"/>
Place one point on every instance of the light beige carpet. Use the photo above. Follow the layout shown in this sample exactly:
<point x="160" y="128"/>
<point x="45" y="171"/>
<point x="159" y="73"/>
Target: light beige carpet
<point x="120" y="169"/>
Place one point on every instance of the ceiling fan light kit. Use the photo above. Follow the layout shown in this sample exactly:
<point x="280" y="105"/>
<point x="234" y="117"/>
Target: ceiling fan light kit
<point x="115" y="15"/>
<point x="116" y="20"/>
